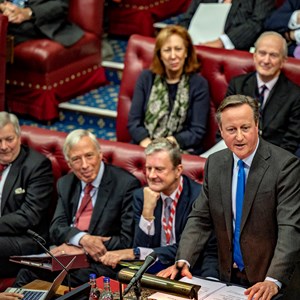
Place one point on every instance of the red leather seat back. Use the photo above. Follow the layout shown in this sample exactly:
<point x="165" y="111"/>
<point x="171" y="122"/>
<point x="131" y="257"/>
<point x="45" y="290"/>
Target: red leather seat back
<point x="3" y="32"/>
<point x="87" y="19"/>
<point x="127" y="156"/>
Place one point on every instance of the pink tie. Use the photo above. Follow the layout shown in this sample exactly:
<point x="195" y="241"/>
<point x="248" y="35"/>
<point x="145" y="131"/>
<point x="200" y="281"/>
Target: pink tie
<point x="2" y="168"/>
<point x="84" y="213"/>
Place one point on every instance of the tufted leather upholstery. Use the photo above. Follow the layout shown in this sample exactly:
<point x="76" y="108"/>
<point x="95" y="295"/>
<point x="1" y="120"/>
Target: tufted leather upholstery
<point x="218" y="67"/>
<point x="3" y="30"/>
<point x="45" y="73"/>
<point x="137" y="16"/>
<point x="127" y="156"/>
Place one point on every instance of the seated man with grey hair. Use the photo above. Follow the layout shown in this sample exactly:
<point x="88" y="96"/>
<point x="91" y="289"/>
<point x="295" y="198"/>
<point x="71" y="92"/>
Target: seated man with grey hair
<point x="26" y="186"/>
<point x="94" y="211"/>
<point x="278" y="97"/>
<point x="161" y="210"/>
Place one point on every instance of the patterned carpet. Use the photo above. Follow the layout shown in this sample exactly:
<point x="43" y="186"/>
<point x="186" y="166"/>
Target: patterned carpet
<point x="105" y="97"/>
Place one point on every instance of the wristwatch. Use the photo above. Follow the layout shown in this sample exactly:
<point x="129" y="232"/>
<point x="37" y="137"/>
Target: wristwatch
<point x="137" y="253"/>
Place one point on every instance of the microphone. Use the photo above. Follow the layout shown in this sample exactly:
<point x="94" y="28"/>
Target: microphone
<point x="41" y="241"/>
<point x="150" y="259"/>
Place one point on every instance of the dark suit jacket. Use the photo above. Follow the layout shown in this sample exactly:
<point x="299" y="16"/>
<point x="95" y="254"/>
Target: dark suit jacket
<point x="166" y="254"/>
<point x="279" y="20"/>
<point x="270" y="225"/>
<point x="112" y="214"/>
<point x="26" y="196"/>
<point x="50" y="20"/>
<point x="244" y="22"/>
<point x="280" y="122"/>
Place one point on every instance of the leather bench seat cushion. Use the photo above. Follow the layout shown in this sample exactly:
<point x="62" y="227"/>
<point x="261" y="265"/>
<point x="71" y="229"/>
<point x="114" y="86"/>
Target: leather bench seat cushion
<point x="44" y="56"/>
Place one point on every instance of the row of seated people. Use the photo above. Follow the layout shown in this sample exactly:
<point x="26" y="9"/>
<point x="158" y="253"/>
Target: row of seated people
<point x="246" y="20"/>
<point x="94" y="213"/>
<point x="173" y="100"/>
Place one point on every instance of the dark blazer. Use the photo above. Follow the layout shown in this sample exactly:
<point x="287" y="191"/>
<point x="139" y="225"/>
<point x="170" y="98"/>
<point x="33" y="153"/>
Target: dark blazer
<point x="112" y="215"/>
<point x="281" y="115"/>
<point x="166" y="254"/>
<point x="194" y="128"/>
<point x="26" y="196"/>
<point x="244" y="22"/>
<point x="270" y="225"/>
<point x="49" y="20"/>
<point x="279" y="20"/>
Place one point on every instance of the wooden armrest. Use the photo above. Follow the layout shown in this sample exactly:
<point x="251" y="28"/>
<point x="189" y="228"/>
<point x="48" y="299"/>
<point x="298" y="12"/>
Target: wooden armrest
<point x="10" y="48"/>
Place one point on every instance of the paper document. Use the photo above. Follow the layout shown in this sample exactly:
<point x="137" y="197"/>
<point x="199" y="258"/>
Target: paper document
<point x="208" y="22"/>
<point x="210" y="290"/>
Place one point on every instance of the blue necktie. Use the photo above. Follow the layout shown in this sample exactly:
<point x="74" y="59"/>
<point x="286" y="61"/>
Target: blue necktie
<point x="20" y="3"/>
<point x="237" y="254"/>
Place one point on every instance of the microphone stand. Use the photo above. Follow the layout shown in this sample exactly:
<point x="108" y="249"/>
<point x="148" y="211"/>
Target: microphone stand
<point x="138" y="290"/>
<point x="36" y="239"/>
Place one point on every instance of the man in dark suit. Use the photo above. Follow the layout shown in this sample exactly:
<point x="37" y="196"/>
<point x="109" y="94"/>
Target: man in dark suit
<point x="94" y="211"/>
<point x="168" y="189"/>
<point x="35" y="19"/>
<point x="108" y="225"/>
<point x="257" y="228"/>
<point x="26" y="185"/>
<point x="280" y="107"/>
<point x="243" y="24"/>
<point x="286" y="21"/>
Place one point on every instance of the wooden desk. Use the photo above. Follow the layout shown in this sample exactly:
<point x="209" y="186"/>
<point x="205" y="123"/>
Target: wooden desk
<point x="45" y="285"/>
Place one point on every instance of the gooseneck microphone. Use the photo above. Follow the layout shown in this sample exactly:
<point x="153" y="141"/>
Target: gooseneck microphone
<point x="149" y="260"/>
<point x="41" y="241"/>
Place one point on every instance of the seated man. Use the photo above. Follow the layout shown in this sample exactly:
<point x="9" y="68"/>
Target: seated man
<point x="26" y="186"/>
<point x="94" y="212"/>
<point x="286" y="21"/>
<point x="243" y="24"/>
<point x="161" y="210"/>
<point x="35" y="19"/>
<point x="278" y="96"/>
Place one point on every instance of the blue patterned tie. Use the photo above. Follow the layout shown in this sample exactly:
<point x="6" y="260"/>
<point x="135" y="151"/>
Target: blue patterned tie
<point x="261" y="97"/>
<point x="20" y="3"/>
<point x="237" y="254"/>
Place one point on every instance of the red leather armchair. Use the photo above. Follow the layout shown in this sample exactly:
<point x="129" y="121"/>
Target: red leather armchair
<point x="45" y="73"/>
<point x="218" y="67"/>
<point x="3" y="30"/>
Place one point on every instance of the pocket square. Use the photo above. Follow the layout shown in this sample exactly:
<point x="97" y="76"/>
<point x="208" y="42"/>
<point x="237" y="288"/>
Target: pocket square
<point x="19" y="191"/>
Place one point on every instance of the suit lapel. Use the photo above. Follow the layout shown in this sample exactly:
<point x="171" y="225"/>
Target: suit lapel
<point x="11" y="178"/>
<point x="258" y="168"/>
<point x="226" y="182"/>
<point x="274" y="101"/>
<point x="233" y="11"/>
<point x="106" y="186"/>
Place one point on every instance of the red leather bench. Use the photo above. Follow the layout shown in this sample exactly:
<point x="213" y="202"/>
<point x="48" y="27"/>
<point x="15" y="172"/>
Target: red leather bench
<point x="45" y="73"/>
<point x="218" y="67"/>
<point x="128" y="156"/>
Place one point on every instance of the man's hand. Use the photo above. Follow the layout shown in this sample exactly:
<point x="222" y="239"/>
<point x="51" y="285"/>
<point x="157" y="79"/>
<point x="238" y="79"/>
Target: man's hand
<point x="262" y="290"/>
<point x="179" y="267"/>
<point x="94" y="246"/>
<point x="10" y="296"/>
<point x="145" y="142"/>
<point x="67" y="249"/>
<point x="215" y="44"/>
<point x="112" y="258"/>
<point x="16" y="14"/>
<point x="150" y="202"/>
